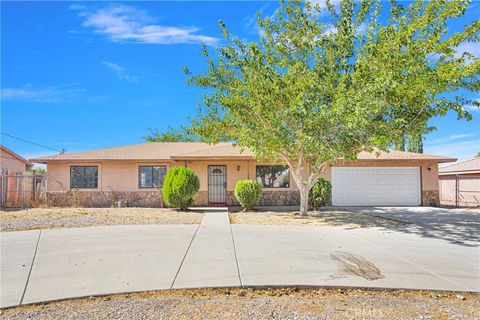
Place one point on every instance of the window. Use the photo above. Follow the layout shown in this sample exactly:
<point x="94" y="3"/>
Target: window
<point x="83" y="177"/>
<point x="151" y="176"/>
<point x="273" y="176"/>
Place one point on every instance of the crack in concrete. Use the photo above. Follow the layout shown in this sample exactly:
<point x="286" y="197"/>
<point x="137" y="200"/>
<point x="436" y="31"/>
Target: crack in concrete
<point x="185" y="256"/>
<point x="31" y="267"/>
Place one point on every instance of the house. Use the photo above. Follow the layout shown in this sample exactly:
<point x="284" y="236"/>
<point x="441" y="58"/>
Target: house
<point x="12" y="162"/>
<point x="134" y="174"/>
<point x="459" y="183"/>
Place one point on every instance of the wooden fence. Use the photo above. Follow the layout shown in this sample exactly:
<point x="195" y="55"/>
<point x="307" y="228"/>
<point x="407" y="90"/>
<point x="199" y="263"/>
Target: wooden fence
<point x="21" y="189"/>
<point x="460" y="191"/>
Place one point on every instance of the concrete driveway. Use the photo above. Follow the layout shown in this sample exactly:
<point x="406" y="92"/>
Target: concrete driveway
<point x="459" y="226"/>
<point x="55" y="264"/>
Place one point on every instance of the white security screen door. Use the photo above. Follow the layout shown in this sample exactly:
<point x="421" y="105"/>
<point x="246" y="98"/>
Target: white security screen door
<point x="217" y="185"/>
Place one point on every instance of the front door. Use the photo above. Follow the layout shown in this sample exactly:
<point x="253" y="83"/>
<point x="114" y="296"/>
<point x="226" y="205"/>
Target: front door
<point x="217" y="185"/>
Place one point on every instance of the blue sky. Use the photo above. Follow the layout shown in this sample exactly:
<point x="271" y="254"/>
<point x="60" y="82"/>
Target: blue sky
<point x="87" y="75"/>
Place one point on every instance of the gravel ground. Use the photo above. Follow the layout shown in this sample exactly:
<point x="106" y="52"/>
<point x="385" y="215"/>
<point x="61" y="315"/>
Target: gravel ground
<point x="260" y="304"/>
<point x="317" y="218"/>
<point x="46" y="218"/>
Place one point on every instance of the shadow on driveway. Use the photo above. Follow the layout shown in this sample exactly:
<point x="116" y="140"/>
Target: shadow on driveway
<point x="457" y="226"/>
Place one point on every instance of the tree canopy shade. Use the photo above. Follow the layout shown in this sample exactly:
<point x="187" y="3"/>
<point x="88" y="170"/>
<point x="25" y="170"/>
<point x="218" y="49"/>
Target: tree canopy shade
<point x="314" y="90"/>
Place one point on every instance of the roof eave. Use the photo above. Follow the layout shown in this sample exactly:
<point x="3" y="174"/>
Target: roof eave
<point x="442" y="160"/>
<point x="445" y="173"/>
<point x="187" y="158"/>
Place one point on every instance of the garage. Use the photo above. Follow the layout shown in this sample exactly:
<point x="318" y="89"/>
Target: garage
<point x="376" y="186"/>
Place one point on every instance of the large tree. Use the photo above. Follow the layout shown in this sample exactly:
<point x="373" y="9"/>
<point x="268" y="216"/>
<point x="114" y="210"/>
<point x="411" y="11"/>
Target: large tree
<point x="314" y="90"/>
<point x="170" y="135"/>
<point x="415" y="143"/>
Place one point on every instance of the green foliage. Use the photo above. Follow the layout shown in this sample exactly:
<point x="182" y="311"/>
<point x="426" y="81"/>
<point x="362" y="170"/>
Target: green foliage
<point x="36" y="170"/>
<point x="318" y="87"/>
<point x="171" y="135"/>
<point x="179" y="187"/>
<point x="400" y="144"/>
<point x="415" y="143"/>
<point x="321" y="193"/>
<point x="248" y="193"/>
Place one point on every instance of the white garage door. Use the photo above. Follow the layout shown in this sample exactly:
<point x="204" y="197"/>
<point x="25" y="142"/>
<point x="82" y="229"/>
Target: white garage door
<point x="376" y="186"/>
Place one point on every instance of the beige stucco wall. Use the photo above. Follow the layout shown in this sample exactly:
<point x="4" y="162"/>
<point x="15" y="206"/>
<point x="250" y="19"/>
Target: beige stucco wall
<point x="123" y="175"/>
<point x="10" y="163"/>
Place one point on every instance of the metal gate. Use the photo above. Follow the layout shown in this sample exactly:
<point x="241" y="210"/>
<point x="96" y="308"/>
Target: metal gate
<point x="217" y="185"/>
<point x="460" y="190"/>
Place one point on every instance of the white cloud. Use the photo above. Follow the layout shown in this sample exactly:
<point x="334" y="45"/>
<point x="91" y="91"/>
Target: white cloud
<point x="120" y="71"/>
<point x="362" y="28"/>
<point x="460" y="136"/>
<point x="472" y="109"/>
<point x="471" y="47"/>
<point x="61" y="93"/>
<point x="251" y="22"/>
<point x="122" y="23"/>
<point x="462" y="150"/>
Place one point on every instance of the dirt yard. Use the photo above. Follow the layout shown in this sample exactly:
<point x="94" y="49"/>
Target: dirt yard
<point x="46" y="218"/>
<point x="327" y="217"/>
<point x="260" y="304"/>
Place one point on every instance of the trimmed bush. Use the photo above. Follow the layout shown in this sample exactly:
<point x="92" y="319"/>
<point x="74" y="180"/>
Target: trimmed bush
<point x="320" y="194"/>
<point x="248" y="193"/>
<point x="179" y="188"/>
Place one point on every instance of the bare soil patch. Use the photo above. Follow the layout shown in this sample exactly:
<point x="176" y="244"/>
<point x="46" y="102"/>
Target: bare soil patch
<point x="47" y="218"/>
<point x="328" y="217"/>
<point x="260" y="304"/>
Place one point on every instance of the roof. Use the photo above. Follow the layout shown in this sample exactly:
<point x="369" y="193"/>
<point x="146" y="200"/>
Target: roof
<point x="15" y="155"/>
<point x="468" y="166"/>
<point x="155" y="151"/>
<point x="166" y="151"/>
<point x="401" y="155"/>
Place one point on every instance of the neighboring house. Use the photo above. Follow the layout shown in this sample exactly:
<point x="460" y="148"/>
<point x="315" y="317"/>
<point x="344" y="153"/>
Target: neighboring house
<point x="133" y="173"/>
<point x="460" y="183"/>
<point x="12" y="162"/>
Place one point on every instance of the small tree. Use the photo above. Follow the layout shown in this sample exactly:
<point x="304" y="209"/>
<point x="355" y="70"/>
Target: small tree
<point x="180" y="186"/>
<point x="314" y="90"/>
<point x="248" y="193"/>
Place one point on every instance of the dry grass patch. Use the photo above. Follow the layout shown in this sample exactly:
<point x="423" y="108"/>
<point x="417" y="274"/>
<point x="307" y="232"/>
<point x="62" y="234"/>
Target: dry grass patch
<point x="47" y="218"/>
<point x="249" y="304"/>
<point x="330" y="217"/>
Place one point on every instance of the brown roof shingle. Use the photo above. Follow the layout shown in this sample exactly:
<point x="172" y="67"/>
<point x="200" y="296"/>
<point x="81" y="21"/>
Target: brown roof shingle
<point x="472" y="166"/>
<point x="197" y="150"/>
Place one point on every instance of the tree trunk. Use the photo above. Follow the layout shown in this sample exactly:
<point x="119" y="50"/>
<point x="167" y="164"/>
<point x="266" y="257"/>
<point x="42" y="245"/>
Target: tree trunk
<point x="296" y="171"/>
<point x="303" y="200"/>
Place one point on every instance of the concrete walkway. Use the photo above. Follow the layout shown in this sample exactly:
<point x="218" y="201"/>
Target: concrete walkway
<point x="211" y="260"/>
<point x="56" y="264"/>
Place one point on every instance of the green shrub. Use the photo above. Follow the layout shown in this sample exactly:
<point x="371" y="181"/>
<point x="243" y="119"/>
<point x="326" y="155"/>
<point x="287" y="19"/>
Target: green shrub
<point x="321" y="193"/>
<point x="180" y="186"/>
<point x="248" y="193"/>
